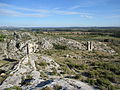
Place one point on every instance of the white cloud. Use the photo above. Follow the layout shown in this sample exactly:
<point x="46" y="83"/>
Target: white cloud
<point x="5" y="5"/>
<point x="75" y="7"/>
<point x="7" y="12"/>
<point x="84" y="15"/>
<point x="65" y="12"/>
<point x="114" y="16"/>
<point x="23" y="9"/>
<point x="56" y="8"/>
<point x="35" y="15"/>
<point x="33" y="10"/>
<point x="18" y="11"/>
<point x="87" y="3"/>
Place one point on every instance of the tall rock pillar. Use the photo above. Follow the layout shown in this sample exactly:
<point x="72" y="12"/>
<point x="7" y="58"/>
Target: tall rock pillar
<point x="90" y="46"/>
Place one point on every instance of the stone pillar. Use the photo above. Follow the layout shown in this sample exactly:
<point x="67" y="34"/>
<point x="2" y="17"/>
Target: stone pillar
<point x="6" y="54"/>
<point x="27" y="48"/>
<point x="90" y="46"/>
<point x="30" y="48"/>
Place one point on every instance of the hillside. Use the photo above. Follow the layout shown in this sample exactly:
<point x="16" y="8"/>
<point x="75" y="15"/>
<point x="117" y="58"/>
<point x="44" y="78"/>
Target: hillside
<point x="63" y="61"/>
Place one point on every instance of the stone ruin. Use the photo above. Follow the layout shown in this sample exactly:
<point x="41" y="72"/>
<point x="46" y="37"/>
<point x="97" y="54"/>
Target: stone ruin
<point x="90" y="46"/>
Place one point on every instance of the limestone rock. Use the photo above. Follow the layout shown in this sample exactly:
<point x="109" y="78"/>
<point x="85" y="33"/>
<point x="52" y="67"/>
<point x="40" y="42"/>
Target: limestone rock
<point x="45" y="45"/>
<point x="66" y="84"/>
<point x="24" y="48"/>
<point x="71" y="44"/>
<point x="100" y="46"/>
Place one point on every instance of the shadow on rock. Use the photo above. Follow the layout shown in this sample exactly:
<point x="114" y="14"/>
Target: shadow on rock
<point x="44" y="83"/>
<point x="10" y="60"/>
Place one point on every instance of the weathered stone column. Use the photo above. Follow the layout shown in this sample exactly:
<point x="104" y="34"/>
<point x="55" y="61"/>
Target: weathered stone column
<point x="27" y="49"/>
<point x="30" y="57"/>
<point x="90" y="46"/>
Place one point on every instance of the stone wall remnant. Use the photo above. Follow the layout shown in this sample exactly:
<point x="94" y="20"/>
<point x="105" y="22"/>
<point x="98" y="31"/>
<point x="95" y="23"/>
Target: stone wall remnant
<point x="90" y="46"/>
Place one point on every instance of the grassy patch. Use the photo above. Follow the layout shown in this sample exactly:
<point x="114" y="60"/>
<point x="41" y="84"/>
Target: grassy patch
<point x="26" y="80"/>
<point x="60" y="47"/>
<point x="2" y="62"/>
<point x="14" y="88"/>
<point x="57" y="87"/>
<point x="47" y="88"/>
<point x="42" y="63"/>
<point x="43" y="75"/>
<point x="2" y="37"/>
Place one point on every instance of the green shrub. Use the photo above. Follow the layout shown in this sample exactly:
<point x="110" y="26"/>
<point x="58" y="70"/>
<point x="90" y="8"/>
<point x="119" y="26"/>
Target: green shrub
<point x="2" y="37"/>
<point x="57" y="87"/>
<point x="1" y="80"/>
<point x="14" y="88"/>
<point x="27" y="80"/>
<point x="111" y="66"/>
<point x="78" y="76"/>
<point x="91" y="81"/>
<point x="43" y="63"/>
<point x="103" y="82"/>
<point x="93" y="74"/>
<point x="47" y="88"/>
<point x="111" y="87"/>
<point x="43" y="75"/>
<point x="108" y="75"/>
<point x="17" y="88"/>
<point x="8" y="89"/>
<point x="29" y="77"/>
<point x="66" y="70"/>
<point x="72" y="65"/>
<point x="60" y="46"/>
<point x="77" y="66"/>
<point x="83" y="67"/>
<point x="54" y="72"/>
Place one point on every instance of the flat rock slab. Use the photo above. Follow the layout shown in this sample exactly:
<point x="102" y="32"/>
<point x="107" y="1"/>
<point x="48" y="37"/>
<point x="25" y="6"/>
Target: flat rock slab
<point x="66" y="84"/>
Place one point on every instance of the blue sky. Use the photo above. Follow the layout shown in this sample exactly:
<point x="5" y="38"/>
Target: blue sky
<point x="57" y="13"/>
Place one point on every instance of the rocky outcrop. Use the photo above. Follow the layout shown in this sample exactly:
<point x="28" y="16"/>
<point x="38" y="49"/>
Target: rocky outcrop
<point x="71" y="44"/>
<point x="45" y="45"/>
<point x="21" y="70"/>
<point x="65" y="84"/>
<point x="27" y="67"/>
<point x="25" y="48"/>
<point x="100" y="46"/>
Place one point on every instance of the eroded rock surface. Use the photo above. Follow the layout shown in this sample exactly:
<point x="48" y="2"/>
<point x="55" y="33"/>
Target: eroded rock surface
<point x="25" y="48"/>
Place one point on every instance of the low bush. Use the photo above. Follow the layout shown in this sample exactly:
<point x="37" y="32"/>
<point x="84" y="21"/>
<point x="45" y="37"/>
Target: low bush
<point x="47" y="88"/>
<point x="78" y="76"/>
<point x="60" y="46"/>
<point x="43" y="75"/>
<point x="77" y="66"/>
<point x="111" y="66"/>
<point x="103" y="82"/>
<point x="66" y="70"/>
<point x="27" y="80"/>
<point x="57" y="87"/>
<point x="43" y="63"/>
<point x="1" y="80"/>
<point x="17" y="88"/>
<point x="54" y="72"/>
<point x="14" y="88"/>
<point x="2" y="37"/>
<point x="29" y="77"/>
<point x="91" y="81"/>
